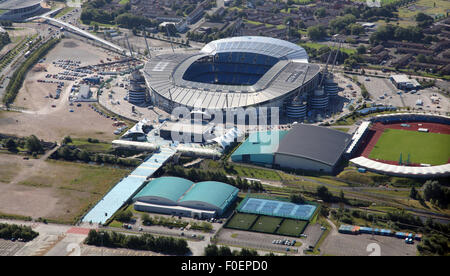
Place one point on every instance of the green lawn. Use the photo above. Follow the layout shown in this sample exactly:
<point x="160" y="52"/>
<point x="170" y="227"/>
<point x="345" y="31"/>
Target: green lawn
<point x="266" y="224"/>
<point x="242" y="221"/>
<point x="428" y="148"/>
<point x="291" y="227"/>
<point x="92" y="147"/>
<point x="64" y="12"/>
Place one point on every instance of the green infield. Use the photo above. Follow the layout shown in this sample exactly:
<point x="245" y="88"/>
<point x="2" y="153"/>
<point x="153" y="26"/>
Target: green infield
<point x="241" y="221"/>
<point x="422" y="147"/>
<point x="266" y="224"/>
<point x="291" y="227"/>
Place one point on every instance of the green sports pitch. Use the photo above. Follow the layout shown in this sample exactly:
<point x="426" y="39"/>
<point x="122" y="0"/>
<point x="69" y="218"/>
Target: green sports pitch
<point x="422" y="147"/>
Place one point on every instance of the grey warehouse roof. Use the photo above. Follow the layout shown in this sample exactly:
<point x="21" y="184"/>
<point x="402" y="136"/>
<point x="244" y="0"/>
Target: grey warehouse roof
<point x="17" y="4"/>
<point x="259" y="45"/>
<point x="320" y="144"/>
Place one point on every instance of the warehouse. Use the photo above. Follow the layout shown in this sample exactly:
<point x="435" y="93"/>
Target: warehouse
<point x="312" y="148"/>
<point x="182" y="197"/>
<point x="305" y="147"/>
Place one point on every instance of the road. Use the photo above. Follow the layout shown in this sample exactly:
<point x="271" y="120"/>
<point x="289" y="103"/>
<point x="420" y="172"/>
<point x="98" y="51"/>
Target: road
<point x="87" y="34"/>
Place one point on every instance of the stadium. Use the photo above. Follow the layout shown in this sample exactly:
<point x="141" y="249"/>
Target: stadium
<point x="182" y="197"/>
<point x="405" y="144"/>
<point x="231" y="73"/>
<point x="19" y="10"/>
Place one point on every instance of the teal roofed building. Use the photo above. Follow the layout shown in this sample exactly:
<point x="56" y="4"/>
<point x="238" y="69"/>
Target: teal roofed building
<point x="166" y="190"/>
<point x="181" y="197"/>
<point x="210" y="195"/>
<point x="259" y="148"/>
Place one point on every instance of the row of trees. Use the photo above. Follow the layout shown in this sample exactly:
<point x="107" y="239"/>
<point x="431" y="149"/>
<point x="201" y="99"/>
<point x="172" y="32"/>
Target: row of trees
<point x="32" y="144"/>
<point x="13" y="231"/>
<point x="165" y="221"/>
<point x="214" y="250"/>
<point x="4" y="39"/>
<point x="167" y="245"/>
<point x="19" y="75"/>
<point x="72" y="153"/>
<point x="95" y="11"/>
<point x="198" y="175"/>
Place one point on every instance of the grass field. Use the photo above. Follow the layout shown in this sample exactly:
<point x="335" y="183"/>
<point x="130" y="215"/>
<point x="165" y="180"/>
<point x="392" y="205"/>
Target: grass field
<point x="428" y="148"/>
<point x="242" y="221"/>
<point x="266" y="224"/>
<point x="92" y="147"/>
<point x="291" y="227"/>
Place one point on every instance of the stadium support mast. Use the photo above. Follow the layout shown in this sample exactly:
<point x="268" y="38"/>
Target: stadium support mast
<point x="129" y="47"/>
<point x="303" y="81"/>
<point x="335" y="57"/>
<point x="146" y="43"/>
<point x="170" y="39"/>
<point x="325" y="69"/>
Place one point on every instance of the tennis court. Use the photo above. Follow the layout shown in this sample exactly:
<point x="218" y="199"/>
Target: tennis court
<point x="266" y="224"/>
<point x="276" y="208"/>
<point x="241" y="221"/>
<point x="291" y="227"/>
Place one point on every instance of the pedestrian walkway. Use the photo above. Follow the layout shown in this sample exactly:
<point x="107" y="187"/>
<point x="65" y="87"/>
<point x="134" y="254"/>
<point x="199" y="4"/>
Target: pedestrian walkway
<point x="127" y="187"/>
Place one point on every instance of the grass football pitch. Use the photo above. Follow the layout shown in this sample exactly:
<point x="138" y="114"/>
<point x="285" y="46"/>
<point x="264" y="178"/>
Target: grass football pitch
<point x="266" y="224"/>
<point x="291" y="227"/>
<point x="241" y="221"/>
<point x="428" y="148"/>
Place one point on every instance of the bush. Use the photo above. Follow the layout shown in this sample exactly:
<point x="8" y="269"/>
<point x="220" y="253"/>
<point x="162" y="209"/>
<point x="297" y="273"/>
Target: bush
<point x="124" y="216"/>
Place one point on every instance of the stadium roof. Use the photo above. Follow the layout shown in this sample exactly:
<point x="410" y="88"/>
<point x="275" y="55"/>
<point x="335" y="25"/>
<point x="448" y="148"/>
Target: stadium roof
<point x="164" y="75"/>
<point x="432" y="171"/>
<point x="316" y="143"/>
<point x="171" y="188"/>
<point x="261" y="143"/>
<point x="17" y="4"/>
<point x="259" y="45"/>
<point x="215" y="193"/>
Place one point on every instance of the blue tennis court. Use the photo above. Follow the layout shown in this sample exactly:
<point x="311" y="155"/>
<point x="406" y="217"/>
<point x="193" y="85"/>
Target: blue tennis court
<point x="276" y="208"/>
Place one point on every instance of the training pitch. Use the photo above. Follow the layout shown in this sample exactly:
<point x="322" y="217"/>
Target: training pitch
<point x="422" y="147"/>
<point x="242" y="221"/>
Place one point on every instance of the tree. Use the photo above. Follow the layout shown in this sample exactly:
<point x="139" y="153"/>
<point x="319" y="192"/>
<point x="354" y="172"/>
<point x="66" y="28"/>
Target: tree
<point x="320" y="12"/>
<point x="124" y="216"/>
<point x="413" y="193"/>
<point x="11" y="145"/>
<point x="342" y="196"/>
<point x="67" y="140"/>
<point x="361" y="49"/>
<point x="323" y="193"/>
<point x="33" y="145"/>
<point x="316" y="32"/>
<point x="296" y="198"/>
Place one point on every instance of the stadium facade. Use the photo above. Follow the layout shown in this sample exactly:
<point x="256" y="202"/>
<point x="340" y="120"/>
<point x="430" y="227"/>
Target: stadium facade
<point x="19" y="10"/>
<point x="232" y="73"/>
<point x="182" y="197"/>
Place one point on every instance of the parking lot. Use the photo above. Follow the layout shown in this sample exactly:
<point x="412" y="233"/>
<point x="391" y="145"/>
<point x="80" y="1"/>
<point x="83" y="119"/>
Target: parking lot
<point x="364" y="244"/>
<point x="9" y="248"/>
<point x="381" y="91"/>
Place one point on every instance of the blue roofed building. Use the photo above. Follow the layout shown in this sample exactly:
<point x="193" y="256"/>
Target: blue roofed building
<point x="181" y="197"/>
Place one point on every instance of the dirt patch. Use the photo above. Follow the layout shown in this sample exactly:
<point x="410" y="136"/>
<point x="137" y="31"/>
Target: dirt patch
<point x="60" y="191"/>
<point x="69" y="44"/>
